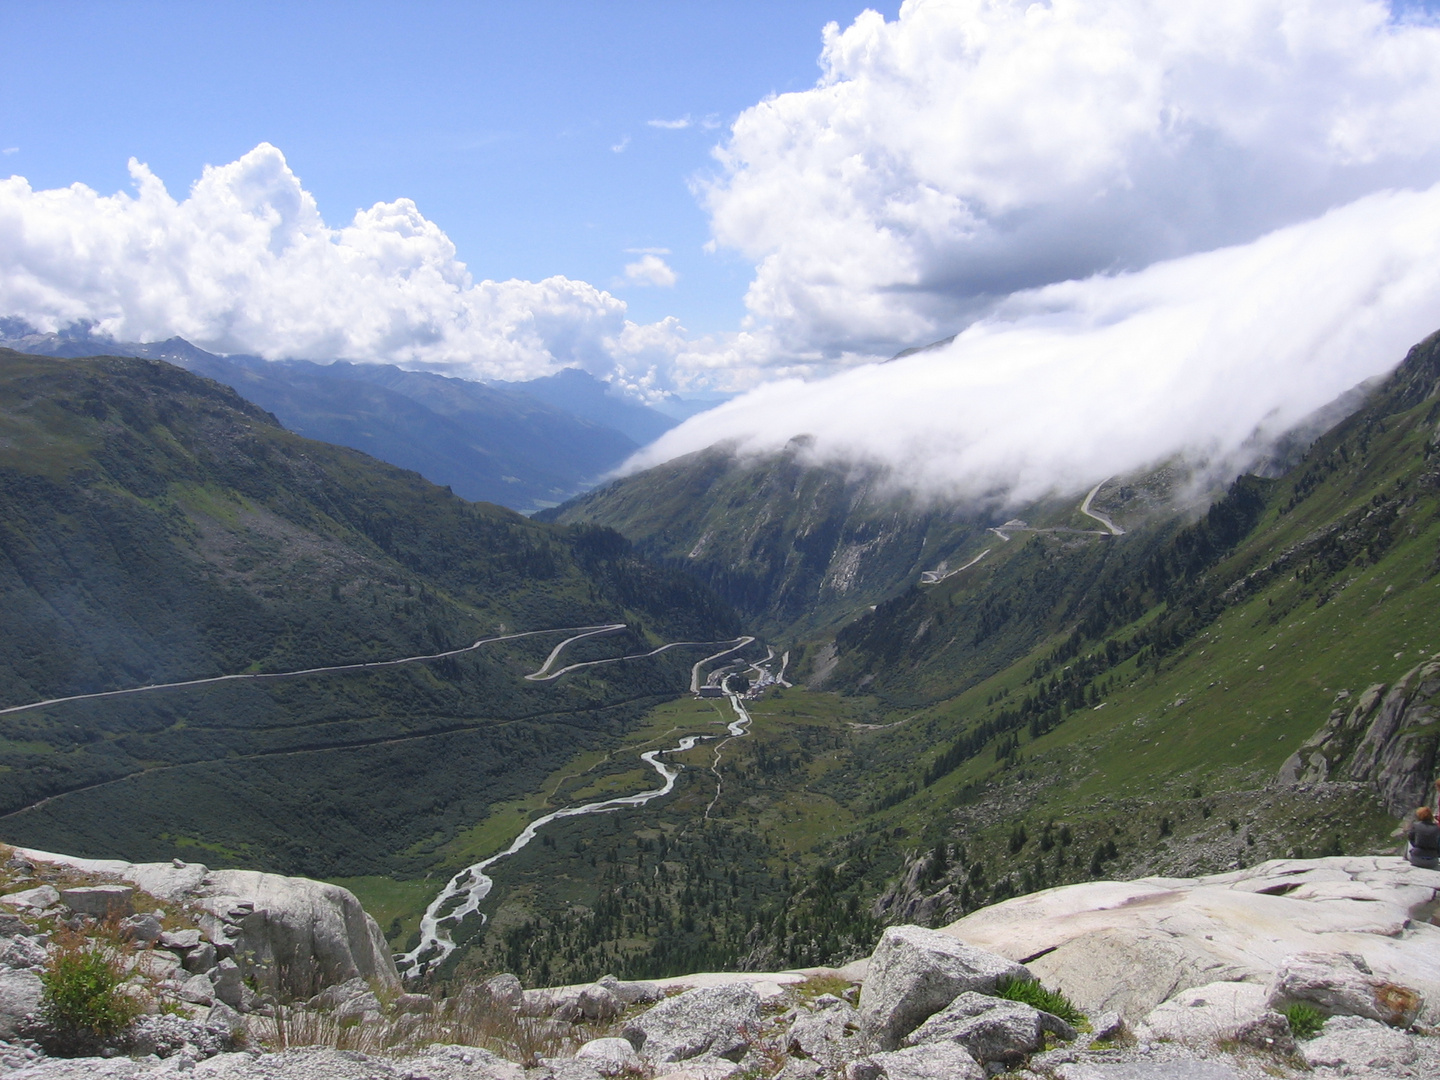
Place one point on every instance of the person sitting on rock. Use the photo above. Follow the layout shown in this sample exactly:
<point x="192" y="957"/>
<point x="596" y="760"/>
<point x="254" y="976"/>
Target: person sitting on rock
<point x="1424" y="837"/>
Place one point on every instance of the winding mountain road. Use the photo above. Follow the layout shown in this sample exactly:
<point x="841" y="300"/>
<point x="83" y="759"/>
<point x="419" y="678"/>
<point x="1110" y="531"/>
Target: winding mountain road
<point x="369" y="665"/>
<point x="1104" y="519"/>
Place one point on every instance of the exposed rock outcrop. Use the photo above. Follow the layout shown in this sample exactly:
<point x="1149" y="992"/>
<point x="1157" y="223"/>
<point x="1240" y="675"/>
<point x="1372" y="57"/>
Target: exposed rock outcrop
<point x="303" y="933"/>
<point x="915" y="972"/>
<point x="1387" y="738"/>
<point x="1129" y="946"/>
<point x="718" y="1021"/>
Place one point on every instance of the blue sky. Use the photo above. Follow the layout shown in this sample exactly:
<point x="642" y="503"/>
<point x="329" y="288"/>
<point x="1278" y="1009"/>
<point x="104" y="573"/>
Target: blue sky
<point x="498" y="119"/>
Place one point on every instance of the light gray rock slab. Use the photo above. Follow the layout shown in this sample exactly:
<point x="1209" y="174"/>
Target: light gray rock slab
<point x="715" y="1020"/>
<point x="1342" y="984"/>
<point x="929" y="1061"/>
<point x="201" y="958"/>
<point x="198" y="990"/>
<point x="155" y="963"/>
<point x="828" y="1032"/>
<point x="1359" y="1042"/>
<point x="1192" y="1069"/>
<point x="915" y="972"/>
<point x="1130" y="945"/>
<point x="707" y="1068"/>
<point x="316" y="932"/>
<point x="229" y="983"/>
<point x="459" y="1063"/>
<point x="19" y="996"/>
<point x="1203" y="1014"/>
<point x="802" y="1069"/>
<point x="36" y="899"/>
<point x="82" y="1069"/>
<point x="179" y="940"/>
<point x="565" y="1069"/>
<point x="610" y="1056"/>
<point x="142" y="929"/>
<point x="20" y="951"/>
<point x="100" y="901"/>
<point x="990" y="1029"/>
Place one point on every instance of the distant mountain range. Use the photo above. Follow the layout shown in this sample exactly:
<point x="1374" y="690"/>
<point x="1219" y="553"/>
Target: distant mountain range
<point x="522" y="445"/>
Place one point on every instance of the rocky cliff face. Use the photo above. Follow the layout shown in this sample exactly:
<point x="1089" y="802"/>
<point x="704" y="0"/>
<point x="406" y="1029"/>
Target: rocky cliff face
<point x="1387" y="738"/>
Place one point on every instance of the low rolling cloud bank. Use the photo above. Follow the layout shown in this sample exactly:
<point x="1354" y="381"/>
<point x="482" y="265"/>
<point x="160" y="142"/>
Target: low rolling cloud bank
<point x="1204" y="355"/>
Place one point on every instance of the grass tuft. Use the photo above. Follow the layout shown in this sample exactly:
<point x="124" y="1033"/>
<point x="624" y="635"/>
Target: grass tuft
<point x="1030" y="992"/>
<point x="1305" y="1020"/>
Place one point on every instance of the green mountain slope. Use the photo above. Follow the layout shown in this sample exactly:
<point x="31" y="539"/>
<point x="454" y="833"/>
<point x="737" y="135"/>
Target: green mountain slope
<point x="796" y="549"/>
<point x="1075" y="705"/>
<point x="156" y="527"/>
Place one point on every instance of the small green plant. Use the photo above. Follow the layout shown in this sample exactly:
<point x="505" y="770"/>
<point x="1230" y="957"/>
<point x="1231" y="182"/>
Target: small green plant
<point x="1030" y="992"/>
<point x="1305" y="1020"/>
<point x="81" y="1001"/>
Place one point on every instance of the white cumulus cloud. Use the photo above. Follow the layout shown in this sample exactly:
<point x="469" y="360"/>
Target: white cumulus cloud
<point x="1068" y="383"/>
<point x="650" y="269"/>
<point x="245" y="263"/>
<point x="971" y="148"/>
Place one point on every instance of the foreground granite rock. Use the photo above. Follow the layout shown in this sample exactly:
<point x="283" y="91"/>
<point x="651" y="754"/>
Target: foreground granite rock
<point x="718" y="1021"/>
<point x="312" y="933"/>
<point x="915" y="972"/>
<point x="1129" y="946"/>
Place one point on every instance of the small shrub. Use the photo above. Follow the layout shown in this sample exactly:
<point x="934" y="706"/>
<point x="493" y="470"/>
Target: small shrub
<point x="1030" y="992"/>
<point x="1305" y="1020"/>
<point x="81" y="1003"/>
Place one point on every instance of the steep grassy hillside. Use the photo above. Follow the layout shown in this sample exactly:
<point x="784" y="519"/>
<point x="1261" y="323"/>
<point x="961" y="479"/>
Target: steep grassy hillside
<point x="796" y="549"/>
<point x="155" y="527"/>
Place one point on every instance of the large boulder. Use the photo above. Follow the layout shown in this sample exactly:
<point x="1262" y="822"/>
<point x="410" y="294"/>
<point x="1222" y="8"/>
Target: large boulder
<point x="1128" y="946"/>
<point x="991" y="1029"/>
<point x="719" y="1021"/>
<point x="1342" y="984"/>
<point x="915" y="972"/>
<point x="100" y="901"/>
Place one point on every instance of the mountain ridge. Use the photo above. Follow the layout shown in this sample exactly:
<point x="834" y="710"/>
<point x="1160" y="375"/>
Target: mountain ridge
<point x="515" y="444"/>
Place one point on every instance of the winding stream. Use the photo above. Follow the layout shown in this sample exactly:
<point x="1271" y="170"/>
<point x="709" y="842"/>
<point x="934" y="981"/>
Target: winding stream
<point x="472" y="885"/>
<point x="465" y="892"/>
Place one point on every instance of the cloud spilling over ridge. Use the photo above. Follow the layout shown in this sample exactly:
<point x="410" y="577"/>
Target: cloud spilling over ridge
<point x="1069" y="383"/>
<point x="971" y="148"/>
<point x="246" y="264"/>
